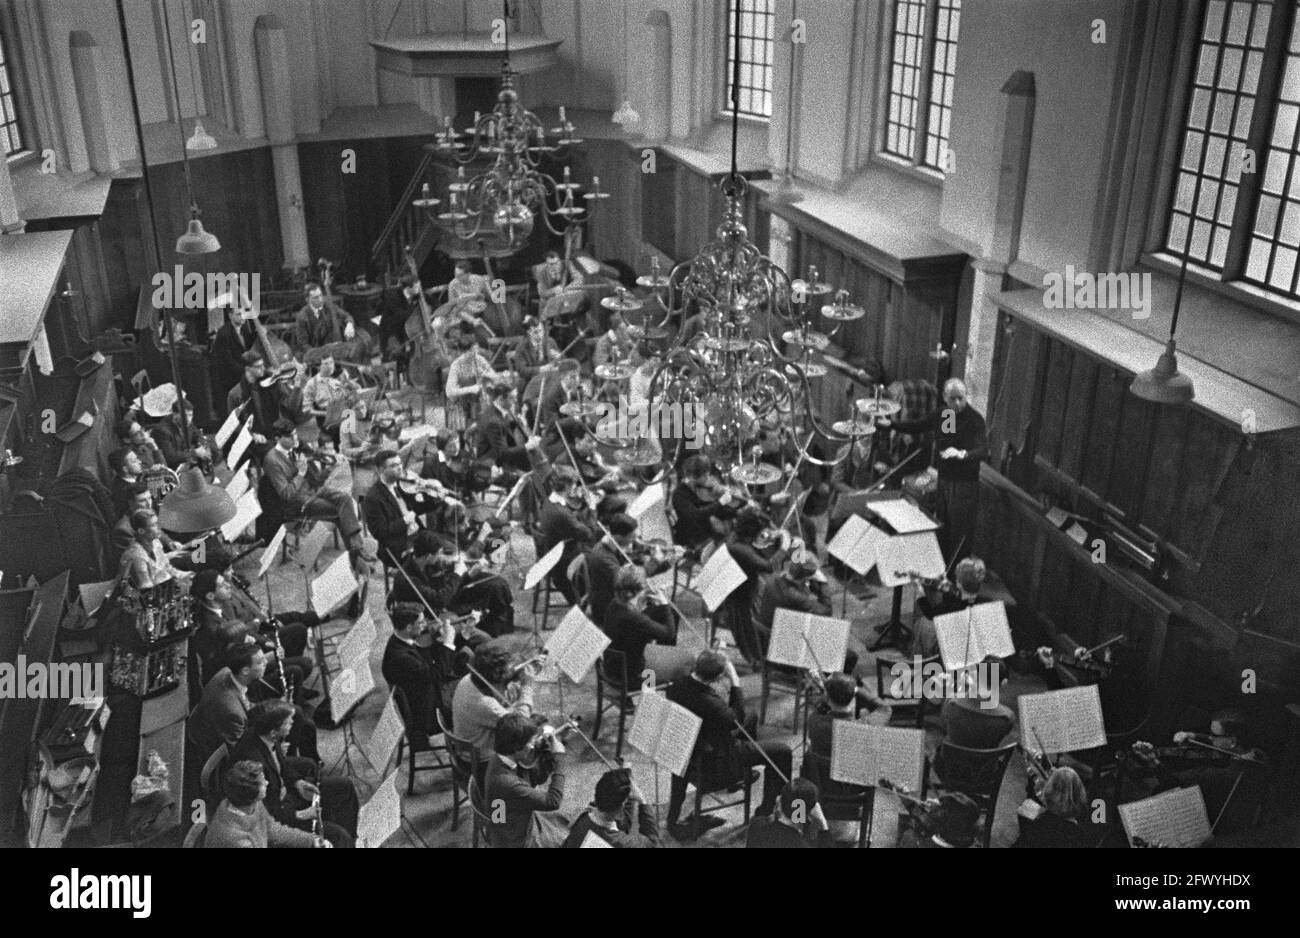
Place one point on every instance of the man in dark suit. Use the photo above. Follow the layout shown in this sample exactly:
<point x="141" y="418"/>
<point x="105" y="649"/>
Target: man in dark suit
<point x="289" y="789"/>
<point x="390" y="520"/>
<point x="509" y="785"/>
<point x="722" y="754"/>
<point x="559" y="522"/>
<point x="695" y="500"/>
<point x="609" y="556"/>
<point x="500" y="437"/>
<point x="794" y="589"/>
<point x="284" y="493"/>
<point x="425" y="675"/>
<point x="222" y="712"/>
<point x="235" y="337"/>
<point x="319" y="323"/>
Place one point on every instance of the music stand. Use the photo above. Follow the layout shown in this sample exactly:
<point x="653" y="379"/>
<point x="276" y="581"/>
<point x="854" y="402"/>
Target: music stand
<point x="894" y="633"/>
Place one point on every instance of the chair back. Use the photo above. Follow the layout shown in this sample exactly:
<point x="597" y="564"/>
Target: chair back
<point x="974" y="772"/>
<point x="482" y="820"/>
<point x="911" y="677"/>
<point x="210" y="777"/>
<point x="404" y="711"/>
<point x="464" y="755"/>
<point x="577" y="574"/>
<point x="840" y="801"/>
<point x="611" y="669"/>
<point x="195" y="836"/>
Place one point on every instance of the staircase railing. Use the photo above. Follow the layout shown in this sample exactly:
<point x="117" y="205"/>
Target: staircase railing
<point x="386" y="247"/>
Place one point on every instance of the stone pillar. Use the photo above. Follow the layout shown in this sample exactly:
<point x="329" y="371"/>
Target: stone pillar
<point x="277" y="109"/>
<point x="1008" y="212"/>
<point x="10" y="221"/>
<point x="87" y="64"/>
<point x="656" y="86"/>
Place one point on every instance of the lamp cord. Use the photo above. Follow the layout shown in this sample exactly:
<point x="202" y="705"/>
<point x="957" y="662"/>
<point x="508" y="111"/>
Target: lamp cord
<point x="176" y="97"/>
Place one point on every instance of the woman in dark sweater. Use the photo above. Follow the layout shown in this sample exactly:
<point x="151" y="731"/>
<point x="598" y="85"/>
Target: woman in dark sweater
<point x="1065" y="821"/>
<point x="638" y="616"/>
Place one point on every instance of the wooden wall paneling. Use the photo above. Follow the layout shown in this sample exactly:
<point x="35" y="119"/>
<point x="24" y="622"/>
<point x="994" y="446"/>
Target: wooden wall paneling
<point x="1132" y="444"/>
<point x="1163" y="474"/>
<point x="128" y="254"/>
<point x="1055" y="399"/>
<point x="1053" y="593"/>
<point x="1196" y="514"/>
<point x="1078" y="415"/>
<point x="1108" y="400"/>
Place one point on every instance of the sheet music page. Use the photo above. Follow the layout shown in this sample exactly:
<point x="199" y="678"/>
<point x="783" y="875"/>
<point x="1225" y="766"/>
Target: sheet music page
<point x="94" y="594"/>
<point x="227" y="429"/>
<point x="595" y="840"/>
<point x="333" y="586"/>
<point x="359" y="638"/>
<point x="565" y="633"/>
<point x="677" y="741"/>
<point x="855" y="544"/>
<point x="994" y="631"/>
<point x="240" y="446"/>
<point x="903" y="516"/>
<point x="914" y="553"/>
<point x="826" y="642"/>
<point x="1173" y="818"/>
<point x="312" y="543"/>
<point x="718" y="579"/>
<point x="381" y="816"/>
<point x="246" y="512"/>
<point x="381" y="745"/>
<point x="271" y="553"/>
<point x="959" y="643"/>
<point x="853" y="759"/>
<point x="786" y="646"/>
<point x="238" y="484"/>
<point x="538" y="571"/>
<point x="900" y="754"/>
<point x="1062" y="720"/>
<point x="347" y="687"/>
<point x="588" y="644"/>
<point x="651" y="496"/>
<point x="851" y="503"/>
<point x="648" y="723"/>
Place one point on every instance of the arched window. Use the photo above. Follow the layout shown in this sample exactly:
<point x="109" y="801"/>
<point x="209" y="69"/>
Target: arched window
<point x="922" y="71"/>
<point x="756" y="33"/>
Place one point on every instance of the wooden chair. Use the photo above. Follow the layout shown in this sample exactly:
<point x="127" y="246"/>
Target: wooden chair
<point x="976" y="773"/>
<point x="613" y="690"/>
<point x="900" y="705"/>
<point x="545" y="592"/>
<point x="211" y="776"/>
<point x="415" y="746"/>
<point x="464" y="766"/>
<point x="785" y="679"/>
<point x="841" y="801"/>
<point x="482" y="820"/>
<point x="696" y="777"/>
<point x="195" y="836"/>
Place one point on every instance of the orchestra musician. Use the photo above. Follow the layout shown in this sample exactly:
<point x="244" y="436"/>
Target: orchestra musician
<point x="477" y="703"/>
<point x="221" y="714"/>
<point x="292" y="797"/>
<point x="617" y="815"/>
<point x="390" y="519"/>
<point x="425" y="673"/>
<point x="550" y="276"/>
<point x="608" y="556"/>
<point x="801" y="587"/>
<point x="562" y="519"/>
<point x="799" y="812"/>
<point x="267" y="404"/>
<point x="501" y="436"/>
<point x="969" y="575"/>
<point x="146" y="561"/>
<point x="236" y="336"/>
<point x="1117" y="670"/>
<point x="324" y="396"/>
<point x="1064" y="820"/>
<point x="534" y="350"/>
<point x="642" y="626"/>
<point x="615" y="344"/>
<point x="216" y="630"/>
<point x="132" y="436"/>
<point x="512" y="782"/>
<point x="241" y="819"/>
<point x="736" y="614"/>
<point x="697" y="498"/>
<point x="948" y="822"/>
<point x="431" y="577"/>
<point x="127" y="470"/>
<point x="712" y="692"/>
<point x="961" y="445"/>
<point x="178" y="451"/>
<point x="483" y="589"/>
<point x="467" y="375"/>
<point x="547" y="391"/>
<point x="139" y="499"/>
<point x="320" y="322"/>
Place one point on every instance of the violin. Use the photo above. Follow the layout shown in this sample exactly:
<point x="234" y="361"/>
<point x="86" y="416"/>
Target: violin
<point x="1088" y="663"/>
<point x="412" y="484"/>
<point x="906" y="795"/>
<point x="938" y="586"/>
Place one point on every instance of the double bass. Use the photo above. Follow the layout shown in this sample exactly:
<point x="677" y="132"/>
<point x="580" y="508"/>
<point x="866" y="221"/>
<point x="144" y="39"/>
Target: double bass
<point x="428" y="345"/>
<point x="503" y="316"/>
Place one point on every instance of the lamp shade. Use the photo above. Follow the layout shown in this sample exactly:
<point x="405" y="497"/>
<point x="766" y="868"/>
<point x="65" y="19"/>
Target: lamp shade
<point x="195" y="505"/>
<point x="200" y="139"/>
<point x="1163" y="384"/>
<point x="197" y="241"/>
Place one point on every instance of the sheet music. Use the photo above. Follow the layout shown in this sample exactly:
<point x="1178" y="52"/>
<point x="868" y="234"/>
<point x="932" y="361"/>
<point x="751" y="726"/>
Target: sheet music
<point x="651" y="496"/>
<point x="247" y="510"/>
<point x="786" y="645"/>
<point x="333" y="586"/>
<point x="903" y="516"/>
<point x="1062" y="720"/>
<point x="718" y="579"/>
<point x="852" y="503"/>
<point x="94" y="594"/>
<point x="576" y="644"/>
<point x="238" y="483"/>
<point x="381" y="816"/>
<point x="240" y="446"/>
<point x="917" y="553"/>
<point x="312" y="543"/>
<point x="381" y="745"/>
<point x="347" y="687"/>
<point x="855" y="544"/>
<point x="1173" y="818"/>
<point x="538" y="571"/>
<point x="359" y="638"/>
<point x="595" y="840"/>
<point x="228" y="429"/>
<point x="272" y="552"/>
<point x="862" y="754"/>
<point x="648" y="723"/>
<point x="677" y="740"/>
<point x="794" y="632"/>
<point x="970" y="635"/>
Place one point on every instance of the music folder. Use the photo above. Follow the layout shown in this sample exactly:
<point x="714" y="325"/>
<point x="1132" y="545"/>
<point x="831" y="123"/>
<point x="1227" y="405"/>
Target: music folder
<point x="863" y="754"/>
<point x="855" y="544"/>
<point x="718" y="579"/>
<point x="1173" y="818"/>
<point x="970" y="635"/>
<point x="664" y="731"/>
<point x="1065" y="720"/>
<point x="576" y="644"/>
<point x="804" y="640"/>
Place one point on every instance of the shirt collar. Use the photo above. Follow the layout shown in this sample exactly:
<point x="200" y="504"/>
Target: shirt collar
<point x="510" y="763"/>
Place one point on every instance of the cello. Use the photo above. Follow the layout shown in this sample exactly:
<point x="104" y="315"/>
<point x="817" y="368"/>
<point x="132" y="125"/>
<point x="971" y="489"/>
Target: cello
<point x="503" y="316"/>
<point x="428" y="346"/>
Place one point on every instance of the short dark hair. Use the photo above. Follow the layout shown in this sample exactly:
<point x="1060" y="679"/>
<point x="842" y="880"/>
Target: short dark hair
<point x="696" y="466"/>
<point x="492" y="660"/>
<point x="622" y="525"/>
<point x="243" y="783"/>
<point x="140" y="519"/>
<point x="629" y="580"/>
<point x="137" y="488"/>
<point x="205" y="581"/>
<point x="709" y="664"/>
<point x="499" y="389"/>
<point x="552" y="254"/>
<point x="750" y="523"/>
<point x="124" y="427"/>
<point x="799" y="794"/>
<point x="251" y="357"/>
<point x="283" y="427"/>
<point x="562" y="478"/>
<point x="405" y="615"/>
<point x="241" y="656"/>
<point x="462" y="264"/>
<point x="841" y="689"/>
<point x="513" y="732"/>
<point x="383" y="456"/>
<point x="425" y="543"/>
<point x="311" y="285"/>
<point x="267" y="715"/>
<point x="117" y="460"/>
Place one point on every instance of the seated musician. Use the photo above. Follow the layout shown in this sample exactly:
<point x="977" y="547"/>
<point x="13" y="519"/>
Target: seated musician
<point x="534" y="350"/>
<point x="758" y="557"/>
<point x="617" y="815"/>
<point x="974" y="719"/>
<point x="266" y="405"/>
<point x="484" y="590"/>
<point x="1118" y="670"/>
<point x="712" y="692"/>
<point x="801" y="587"/>
<point x="1065" y="821"/>
<point x="290" y="791"/>
<point x="216" y="630"/>
<point x="609" y="555"/>
<point x="501" y="438"/>
<point x="467" y="376"/>
<point x="133" y="436"/>
<point x="288" y="488"/>
<point x="430" y="571"/>
<point x="146" y="561"/>
<point x="799" y="811"/>
<point x="572" y="443"/>
<point x="221" y="714"/>
<point x="969" y="575"/>
<point x="241" y="820"/>
<point x="324" y="396"/>
<point x="853" y="470"/>
<point x="511" y="784"/>
<point x="615" y="344"/>
<point x="467" y="285"/>
<point x="179" y="451"/>
<point x="140" y="499"/>
<point x="948" y="822"/>
<point x="563" y="518"/>
<point x="642" y="627"/>
<point x="491" y="690"/>
<point x="236" y="336"/>
<point x="550" y="276"/>
<point x="425" y="674"/>
<point x="320" y="323"/>
<point x="696" y="499"/>
<point x="391" y="520"/>
<point x="127" y="470"/>
<point x="547" y="391"/>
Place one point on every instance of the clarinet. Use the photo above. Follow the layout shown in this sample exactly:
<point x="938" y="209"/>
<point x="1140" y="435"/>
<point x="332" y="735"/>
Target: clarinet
<point x="279" y="657"/>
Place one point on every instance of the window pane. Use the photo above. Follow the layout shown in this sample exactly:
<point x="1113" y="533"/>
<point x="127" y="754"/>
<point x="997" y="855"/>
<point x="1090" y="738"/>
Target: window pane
<point x="942" y="80"/>
<point x="756" y="37"/>
<point x="905" y="77"/>
<point x="11" y="138"/>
